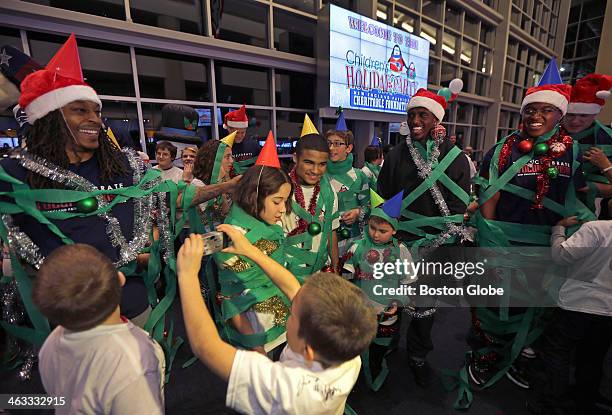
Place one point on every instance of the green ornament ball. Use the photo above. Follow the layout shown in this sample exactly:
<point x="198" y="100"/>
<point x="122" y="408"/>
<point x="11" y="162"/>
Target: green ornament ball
<point x="446" y="93"/>
<point x="540" y="148"/>
<point x="87" y="205"/>
<point x="552" y="172"/>
<point x="314" y="229"/>
<point x="345" y="233"/>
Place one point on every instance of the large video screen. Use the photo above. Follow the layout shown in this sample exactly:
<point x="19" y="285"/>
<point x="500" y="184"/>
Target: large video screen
<point x="373" y="66"/>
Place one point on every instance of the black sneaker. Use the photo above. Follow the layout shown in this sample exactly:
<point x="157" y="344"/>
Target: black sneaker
<point x="421" y="371"/>
<point x="480" y="371"/>
<point x="518" y="375"/>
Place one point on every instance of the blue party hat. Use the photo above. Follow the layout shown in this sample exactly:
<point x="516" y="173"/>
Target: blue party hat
<point x="375" y="141"/>
<point x="393" y="206"/>
<point x="341" y="123"/>
<point x="551" y="75"/>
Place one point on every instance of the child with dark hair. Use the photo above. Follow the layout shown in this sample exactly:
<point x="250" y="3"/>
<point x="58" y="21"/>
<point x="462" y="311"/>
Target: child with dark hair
<point x="165" y="153"/>
<point x="329" y="327"/>
<point x="364" y="263"/>
<point x="373" y="156"/>
<point x="95" y="358"/>
<point x="253" y="311"/>
<point x="310" y="227"/>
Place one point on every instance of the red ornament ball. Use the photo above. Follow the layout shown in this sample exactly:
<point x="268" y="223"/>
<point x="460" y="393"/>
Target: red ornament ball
<point x="373" y="256"/>
<point x="525" y="146"/>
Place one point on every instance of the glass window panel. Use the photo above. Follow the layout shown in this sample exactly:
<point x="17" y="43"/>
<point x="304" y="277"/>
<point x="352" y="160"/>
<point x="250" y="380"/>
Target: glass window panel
<point x="449" y="46"/>
<point x="516" y="16"/>
<point x="470" y="27"/>
<point x="432" y="9"/>
<point x="452" y="18"/>
<point x="260" y="123"/>
<point x="468" y="53"/>
<point x="294" y="90"/>
<point x="593" y="8"/>
<point x="584" y="67"/>
<point x="106" y="67"/>
<point x="507" y="92"/>
<point x="429" y="32"/>
<point x="106" y="8"/>
<point x="487" y="34"/>
<point x="482" y="85"/>
<point x="239" y="84"/>
<point x="449" y="72"/>
<point x="171" y="76"/>
<point x="122" y="118"/>
<point x="574" y="15"/>
<point x="288" y="130"/>
<point x="152" y="114"/>
<point x="307" y="6"/>
<point x="568" y="51"/>
<point x="182" y="15"/>
<point x="383" y="12"/>
<point x="413" y="4"/>
<point x="464" y="113"/>
<point x="484" y="60"/>
<point x="10" y="37"/>
<point x="588" y="47"/>
<point x="432" y="76"/>
<point x="404" y="21"/>
<point x="478" y="115"/>
<point x="590" y="29"/>
<point x="294" y="33"/>
<point x="243" y="22"/>
<point x="468" y="80"/>
<point x="8" y="131"/>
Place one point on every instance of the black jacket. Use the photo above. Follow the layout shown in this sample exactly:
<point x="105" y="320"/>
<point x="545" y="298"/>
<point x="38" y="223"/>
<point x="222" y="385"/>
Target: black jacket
<point x="400" y="173"/>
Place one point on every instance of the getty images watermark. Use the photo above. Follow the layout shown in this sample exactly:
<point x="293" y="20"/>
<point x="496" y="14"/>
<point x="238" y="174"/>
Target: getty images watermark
<point x="412" y="271"/>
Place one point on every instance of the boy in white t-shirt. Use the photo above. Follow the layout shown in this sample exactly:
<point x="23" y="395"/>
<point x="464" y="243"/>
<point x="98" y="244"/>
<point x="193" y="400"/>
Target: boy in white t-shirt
<point x="95" y="358"/>
<point x="330" y="325"/>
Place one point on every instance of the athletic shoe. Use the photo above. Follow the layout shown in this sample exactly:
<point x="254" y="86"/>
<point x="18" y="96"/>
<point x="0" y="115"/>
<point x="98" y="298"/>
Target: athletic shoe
<point x="480" y="371"/>
<point x="518" y="375"/>
<point x="421" y="372"/>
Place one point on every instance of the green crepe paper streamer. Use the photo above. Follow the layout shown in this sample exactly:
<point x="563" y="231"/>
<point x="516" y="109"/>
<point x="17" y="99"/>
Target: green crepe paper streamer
<point x="260" y="286"/>
<point x="25" y="202"/>
<point x="499" y="234"/>
<point x="241" y="166"/>
<point x="299" y="255"/>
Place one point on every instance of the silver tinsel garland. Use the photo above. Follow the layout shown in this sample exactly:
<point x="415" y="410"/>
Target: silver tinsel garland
<point x="424" y="169"/>
<point x="142" y="206"/>
<point x="27" y="250"/>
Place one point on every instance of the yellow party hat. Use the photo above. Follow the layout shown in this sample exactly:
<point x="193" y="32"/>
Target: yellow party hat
<point x="308" y="127"/>
<point x="229" y="139"/>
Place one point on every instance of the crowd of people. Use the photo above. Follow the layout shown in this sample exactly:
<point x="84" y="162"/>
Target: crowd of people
<point x="98" y="246"/>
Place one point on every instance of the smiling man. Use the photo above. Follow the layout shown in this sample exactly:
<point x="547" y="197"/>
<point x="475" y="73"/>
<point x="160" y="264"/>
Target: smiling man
<point x="407" y="166"/>
<point x="311" y="226"/>
<point x="68" y="150"/>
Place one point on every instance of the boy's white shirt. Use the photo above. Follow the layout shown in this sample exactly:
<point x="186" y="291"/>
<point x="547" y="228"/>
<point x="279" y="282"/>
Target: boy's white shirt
<point x="110" y="369"/>
<point x="258" y="385"/>
<point x="290" y="220"/>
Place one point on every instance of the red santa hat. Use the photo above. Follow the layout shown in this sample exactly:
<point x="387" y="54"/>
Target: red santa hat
<point x="236" y="119"/>
<point x="60" y="83"/>
<point x="436" y="103"/>
<point x="589" y="94"/>
<point x="428" y="100"/>
<point x="553" y="94"/>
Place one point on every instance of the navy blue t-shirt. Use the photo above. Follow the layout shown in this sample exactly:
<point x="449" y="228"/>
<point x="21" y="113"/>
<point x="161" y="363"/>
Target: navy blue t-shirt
<point x="89" y="230"/>
<point x="245" y="150"/>
<point x="513" y="208"/>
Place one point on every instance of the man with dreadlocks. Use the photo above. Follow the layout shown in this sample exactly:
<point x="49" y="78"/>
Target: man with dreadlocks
<point x="74" y="185"/>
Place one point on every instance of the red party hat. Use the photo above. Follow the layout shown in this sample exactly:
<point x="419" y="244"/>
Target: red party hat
<point x="268" y="155"/>
<point x="66" y="61"/>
